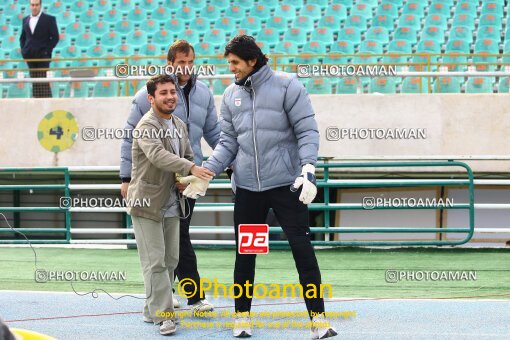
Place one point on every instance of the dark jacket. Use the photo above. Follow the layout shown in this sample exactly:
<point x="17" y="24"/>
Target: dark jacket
<point x="43" y="41"/>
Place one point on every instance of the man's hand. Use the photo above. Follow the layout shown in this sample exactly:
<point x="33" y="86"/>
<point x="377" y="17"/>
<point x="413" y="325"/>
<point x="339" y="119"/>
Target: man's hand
<point x="181" y="187"/>
<point x="123" y="189"/>
<point x="202" y="173"/>
<point x="197" y="186"/>
<point x="307" y="180"/>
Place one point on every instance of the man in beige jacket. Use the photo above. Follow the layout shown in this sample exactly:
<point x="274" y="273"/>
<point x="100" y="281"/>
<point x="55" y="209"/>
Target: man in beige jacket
<point x="161" y="150"/>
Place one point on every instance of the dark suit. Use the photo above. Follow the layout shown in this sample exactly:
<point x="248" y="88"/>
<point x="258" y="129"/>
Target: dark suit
<point x="39" y="45"/>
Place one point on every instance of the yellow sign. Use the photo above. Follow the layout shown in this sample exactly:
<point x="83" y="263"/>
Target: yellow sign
<point x="57" y="131"/>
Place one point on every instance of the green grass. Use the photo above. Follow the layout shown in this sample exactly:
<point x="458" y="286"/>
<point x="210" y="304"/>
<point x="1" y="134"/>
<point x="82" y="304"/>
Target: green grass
<point x="352" y="272"/>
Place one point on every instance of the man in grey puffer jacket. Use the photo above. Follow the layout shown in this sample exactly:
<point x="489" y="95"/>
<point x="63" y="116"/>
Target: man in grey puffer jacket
<point x="268" y="130"/>
<point x="195" y="107"/>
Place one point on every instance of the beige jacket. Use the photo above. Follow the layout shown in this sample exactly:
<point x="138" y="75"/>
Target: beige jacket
<point x="155" y="164"/>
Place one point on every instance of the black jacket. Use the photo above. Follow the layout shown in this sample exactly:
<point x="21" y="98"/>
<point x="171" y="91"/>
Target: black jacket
<point x="43" y="41"/>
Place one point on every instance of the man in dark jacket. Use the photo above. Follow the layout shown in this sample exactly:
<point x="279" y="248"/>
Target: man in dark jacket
<point x="39" y="36"/>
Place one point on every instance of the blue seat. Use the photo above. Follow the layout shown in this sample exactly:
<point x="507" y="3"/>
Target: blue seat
<point x="405" y="33"/>
<point x="113" y="16"/>
<point x="322" y="34"/>
<point x="337" y="50"/>
<point x="312" y="11"/>
<point x="361" y="9"/>
<point x="461" y="33"/>
<point x="379" y="34"/>
<point x="65" y="19"/>
<point x="148" y="5"/>
<point x="464" y="20"/>
<point x="286" y="47"/>
<point x="268" y="36"/>
<point x="504" y="85"/>
<point x="226" y="24"/>
<point x="245" y="4"/>
<point x="356" y="21"/>
<point x="304" y="23"/>
<point x="371" y="46"/>
<point x="486" y="51"/>
<point x="215" y="37"/>
<point x="336" y="10"/>
<point x="185" y="14"/>
<point x="201" y="25"/>
<point x="479" y="85"/>
<point x="212" y="13"/>
<point x="124" y="27"/>
<point x="235" y="13"/>
<point x="286" y="11"/>
<point x="396" y="55"/>
<point x="89" y="17"/>
<point x="433" y="33"/>
<point x="277" y="24"/>
<point x="197" y="5"/>
<point x="383" y="21"/>
<point x="308" y="56"/>
<point x="459" y="46"/>
<point x="382" y="85"/>
<point x="105" y="89"/>
<point x="414" y="85"/>
<point x="85" y="40"/>
<point x="331" y="22"/>
<point x="161" y="14"/>
<point x="351" y="34"/>
<point x="447" y="85"/>
<point x="319" y="86"/>
<point x="389" y="9"/>
<point x="409" y="20"/>
<point x="138" y="38"/>
<point x="347" y="85"/>
<point x="19" y="90"/>
<point x="74" y="29"/>
<point x="466" y="7"/>
<point x="489" y="32"/>
<point x="176" y="26"/>
<point x="439" y="7"/>
<point x="455" y="61"/>
<point x="295" y="35"/>
<point x="261" y="12"/>
<point x="149" y="26"/>
<point x="436" y="20"/>
<point x="111" y="39"/>
<point x="416" y="8"/>
<point x="99" y="28"/>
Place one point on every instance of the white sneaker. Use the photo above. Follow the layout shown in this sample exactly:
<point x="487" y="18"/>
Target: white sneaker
<point x="242" y="325"/>
<point x="202" y="306"/>
<point x="167" y="327"/>
<point x="177" y="304"/>
<point x="321" y="328"/>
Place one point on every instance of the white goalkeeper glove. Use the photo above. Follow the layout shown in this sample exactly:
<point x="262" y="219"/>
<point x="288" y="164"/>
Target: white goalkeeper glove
<point x="307" y="180"/>
<point x="197" y="187"/>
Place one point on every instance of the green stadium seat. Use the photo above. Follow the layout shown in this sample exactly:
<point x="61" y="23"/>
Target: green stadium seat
<point x="99" y="28"/>
<point x="196" y="5"/>
<point x="269" y="36"/>
<point x="346" y="3"/>
<point x="185" y="14"/>
<point x="234" y="14"/>
<point x="336" y="10"/>
<point x="383" y="21"/>
<point x="56" y="7"/>
<point x="489" y="32"/>
<point x="487" y="45"/>
<point x="433" y="33"/>
<point x="215" y="37"/>
<point x="356" y="21"/>
<point x="492" y="7"/>
<point x="127" y="5"/>
<point x="245" y="4"/>
<point x="65" y="18"/>
<point x="436" y="20"/>
<point x="286" y="47"/>
<point x="395" y="50"/>
<point x="138" y="38"/>
<point x="70" y="52"/>
<point x="268" y="3"/>
<point x="278" y="24"/>
<point x="200" y="25"/>
<point x="74" y="29"/>
<point x="331" y="22"/>
<point x="466" y="7"/>
<point x="261" y="12"/>
<point x="226" y="24"/>
<point x="19" y="90"/>
<point x="15" y="53"/>
<point x="322" y="34"/>
<point x="111" y="39"/>
<point x="405" y="33"/>
<point x="56" y="89"/>
<point x="484" y="58"/>
<point x="504" y="85"/>
<point x="304" y="23"/>
<point x="85" y="40"/>
<point x="312" y="11"/>
<point x="409" y="20"/>
<point x="321" y="3"/>
<point x="286" y="11"/>
<point x="319" y="86"/>
<point x="105" y="89"/>
<point x="149" y="50"/>
<point x="447" y="85"/>
<point x="452" y="61"/>
<point x="371" y="46"/>
<point x="163" y="38"/>
<point x="490" y="20"/>
<point x="123" y="50"/>
<point x="389" y="9"/>
<point x="124" y="27"/>
<point x="212" y="13"/>
<point x="96" y="51"/>
<point x="149" y="26"/>
<point x="10" y="43"/>
<point x="160" y="14"/>
<point x="264" y="46"/>
<point x="464" y="20"/>
<point x="362" y="9"/>
<point x="340" y="47"/>
<point x="479" y="85"/>
<point x="459" y="46"/>
<point x="461" y="33"/>
<point x="414" y="85"/>
<point x="379" y="34"/>
<point x="295" y="35"/>
<point x="205" y="49"/>
<point x="415" y="8"/>
<point x="382" y="85"/>
<point x="439" y="7"/>
<point x="148" y="5"/>
<point x="112" y="17"/>
<point x="176" y="26"/>
<point x="309" y="49"/>
<point x="82" y="63"/>
<point x="77" y="90"/>
<point x="222" y="4"/>
<point x="352" y="34"/>
<point x="5" y="31"/>
<point x="78" y="8"/>
<point x="253" y="24"/>
<point x="347" y="85"/>
<point x="102" y="6"/>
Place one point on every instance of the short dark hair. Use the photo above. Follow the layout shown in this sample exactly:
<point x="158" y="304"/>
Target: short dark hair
<point x="245" y="47"/>
<point x="179" y="46"/>
<point x="152" y="84"/>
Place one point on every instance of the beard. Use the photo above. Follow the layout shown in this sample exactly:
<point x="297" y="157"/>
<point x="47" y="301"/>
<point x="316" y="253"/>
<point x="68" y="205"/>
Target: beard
<point x="163" y="110"/>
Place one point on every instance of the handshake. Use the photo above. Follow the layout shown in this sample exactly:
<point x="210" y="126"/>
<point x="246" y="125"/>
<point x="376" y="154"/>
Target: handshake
<point x="198" y="182"/>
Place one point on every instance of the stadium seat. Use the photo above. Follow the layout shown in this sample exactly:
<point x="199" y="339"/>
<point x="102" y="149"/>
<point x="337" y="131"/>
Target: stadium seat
<point x="148" y="5"/>
<point x="484" y="58"/>
<point x="452" y="61"/>
<point x="383" y="21"/>
<point x="269" y="36"/>
<point x="102" y="6"/>
<point x="212" y="13"/>
<point x="295" y="35"/>
<point x="504" y="85"/>
<point x="464" y="20"/>
<point x="253" y="24"/>
<point x="261" y="12"/>
<point x="196" y="5"/>
<point x="379" y="34"/>
<point x="479" y="85"/>
<point x="459" y="46"/>
<point x="111" y="39"/>
<point x="124" y="27"/>
<point x="56" y="7"/>
<point x="356" y="21"/>
<point x="352" y="34"/>
<point x="304" y="23"/>
<point x="85" y="40"/>
<point x="78" y="8"/>
<point x="331" y="22"/>
<point x="222" y="4"/>
<point x="319" y="86"/>
<point x="492" y="7"/>
<point x="415" y="8"/>
<point x="160" y="14"/>
<point x="382" y="85"/>
<point x="346" y="3"/>
<point x="436" y="20"/>
<point x="405" y="33"/>
<point x="226" y="24"/>
<point x="205" y="49"/>
<point x="447" y="85"/>
<point x="433" y="33"/>
<point x="15" y="53"/>
<point x="286" y="47"/>
<point x="123" y="50"/>
<point x="336" y="10"/>
<point x="487" y="45"/>
<point x="312" y="11"/>
<point x="461" y="33"/>
<point x="19" y="90"/>
<point x="112" y="17"/>
<point x="65" y="19"/>
<point x="200" y="25"/>
<point x="269" y="3"/>
<point x="105" y="89"/>
<point x="371" y="46"/>
<point x="264" y="46"/>
<point x="321" y="3"/>
<point x="490" y="20"/>
<point x="127" y="5"/>
<point x="313" y="47"/>
<point x="286" y="11"/>
<point x="466" y="7"/>
<point x="185" y="14"/>
<point x="409" y="20"/>
<point x="489" y="32"/>
<point x="277" y="24"/>
<point x="428" y="46"/>
<point x="389" y="9"/>
<point x="322" y="34"/>
<point x="149" y="26"/>
<point x="215" y="37"/>
<point x="245" y="4"/>
<point x="361" y="9"/>
<point x="70" y="52"/>
<point x="414" y="85"/>
<point x="234" y="13"/>
<point x="96" y="51"/>
<point x="74" y="29"/>
<point x="395" y="50"/>
<point x="149" y="50"/>
<point x="162" y="38"/>
<point x="440" y="8"/>
<point x="138" y="38"/>
<point x="347" y="85"/>
<point x="99" y="28"/>
<point x="340" y="47"/>
<point x="176" y="26"/>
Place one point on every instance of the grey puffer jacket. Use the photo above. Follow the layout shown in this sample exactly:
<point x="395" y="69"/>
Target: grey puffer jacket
<point x="268" y="130"/>
<point x="202" y="121"/>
